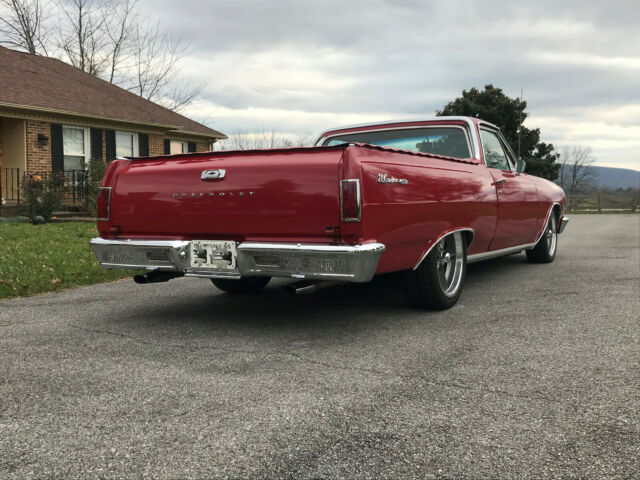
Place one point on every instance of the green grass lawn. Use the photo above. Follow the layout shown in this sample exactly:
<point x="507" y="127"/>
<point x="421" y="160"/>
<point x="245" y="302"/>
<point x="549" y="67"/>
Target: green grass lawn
<point x="47" y="258"/>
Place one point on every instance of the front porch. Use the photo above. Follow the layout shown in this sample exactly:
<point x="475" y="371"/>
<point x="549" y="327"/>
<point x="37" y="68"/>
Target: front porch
<point x="76" y="186"/>
<point x="25" y="153"/>
<point x="13" y="159"/>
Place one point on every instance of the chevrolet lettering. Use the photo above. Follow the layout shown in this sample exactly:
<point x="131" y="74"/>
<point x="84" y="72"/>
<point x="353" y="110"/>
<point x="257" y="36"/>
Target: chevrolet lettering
<point x="211" y="194"/>
<point x="422" y="198"/>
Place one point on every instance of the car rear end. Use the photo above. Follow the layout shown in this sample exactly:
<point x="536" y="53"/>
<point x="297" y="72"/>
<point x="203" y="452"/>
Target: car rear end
<point x="277" y="213"/>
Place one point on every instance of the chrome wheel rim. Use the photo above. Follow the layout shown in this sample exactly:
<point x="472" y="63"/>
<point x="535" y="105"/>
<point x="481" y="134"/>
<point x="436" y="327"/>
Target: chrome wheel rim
<point x="551" y="235"/>
<point x="449" y="260"/>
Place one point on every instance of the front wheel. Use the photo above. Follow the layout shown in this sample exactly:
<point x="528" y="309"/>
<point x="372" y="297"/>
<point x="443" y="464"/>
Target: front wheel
<point x="246" y="285"/>
<point x="437" y="283"/>
<point x="545" y="249"/>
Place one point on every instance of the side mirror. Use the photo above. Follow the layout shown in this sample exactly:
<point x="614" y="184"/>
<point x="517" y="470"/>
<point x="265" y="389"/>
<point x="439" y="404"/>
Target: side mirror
<point x="521" y="165"/>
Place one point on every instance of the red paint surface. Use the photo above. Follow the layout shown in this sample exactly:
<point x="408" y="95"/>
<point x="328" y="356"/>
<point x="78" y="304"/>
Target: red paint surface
<point x="292" y="195"/>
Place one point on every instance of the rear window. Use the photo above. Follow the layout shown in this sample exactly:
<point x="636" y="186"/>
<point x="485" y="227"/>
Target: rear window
<point x="449" y="141"/>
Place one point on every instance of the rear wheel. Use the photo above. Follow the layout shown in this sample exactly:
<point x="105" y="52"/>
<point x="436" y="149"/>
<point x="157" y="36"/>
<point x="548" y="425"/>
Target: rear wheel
<point x="437" y="283"/>
<point x="246" y="285"/>
<point x="545" y="249"/>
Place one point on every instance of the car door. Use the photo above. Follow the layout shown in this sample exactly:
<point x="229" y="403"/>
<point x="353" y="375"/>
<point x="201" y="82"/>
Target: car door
<point x="516" y="193"/>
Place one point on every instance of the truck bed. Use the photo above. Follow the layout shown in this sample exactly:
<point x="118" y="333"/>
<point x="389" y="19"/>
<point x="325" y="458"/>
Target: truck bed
<point x="264" y="195"/>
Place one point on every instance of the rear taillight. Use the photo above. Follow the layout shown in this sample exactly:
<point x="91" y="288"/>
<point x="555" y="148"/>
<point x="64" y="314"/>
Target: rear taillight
<point x="104" y="204"/>
<point x="350" y="205"/>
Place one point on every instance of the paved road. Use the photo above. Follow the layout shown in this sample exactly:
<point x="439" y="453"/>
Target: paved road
<point x="534" y="374"/>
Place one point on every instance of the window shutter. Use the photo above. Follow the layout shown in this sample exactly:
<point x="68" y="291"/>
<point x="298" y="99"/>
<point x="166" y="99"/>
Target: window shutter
<point x="167" y="146"/>
<point x="191" y="147"/>
<point x="57" y="152"/>
<point x="96" y="144"/>
<point x="110" y="137"/>
<point x="143" y="144"/>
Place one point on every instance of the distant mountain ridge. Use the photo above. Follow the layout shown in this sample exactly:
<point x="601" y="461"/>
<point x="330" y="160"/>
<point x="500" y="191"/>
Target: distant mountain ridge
<point x="614" y="178"/>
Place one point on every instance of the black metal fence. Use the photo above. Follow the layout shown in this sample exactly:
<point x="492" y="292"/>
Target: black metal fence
<point x="74" y="184"/>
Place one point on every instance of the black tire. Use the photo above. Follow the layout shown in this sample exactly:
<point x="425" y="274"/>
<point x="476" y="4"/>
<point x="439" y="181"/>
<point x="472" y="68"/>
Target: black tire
<point x="432" y="285"/>
<point x="246" y="285"/>
<point x="546" y="248"/>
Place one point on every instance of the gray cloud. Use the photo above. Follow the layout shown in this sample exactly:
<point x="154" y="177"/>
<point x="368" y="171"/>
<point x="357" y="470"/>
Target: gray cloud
<point x="299" y="63"/>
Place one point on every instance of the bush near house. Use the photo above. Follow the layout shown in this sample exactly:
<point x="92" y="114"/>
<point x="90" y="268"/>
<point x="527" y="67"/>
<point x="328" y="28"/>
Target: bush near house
<point x="47" y="258"/>
<point x="43" y="195"/>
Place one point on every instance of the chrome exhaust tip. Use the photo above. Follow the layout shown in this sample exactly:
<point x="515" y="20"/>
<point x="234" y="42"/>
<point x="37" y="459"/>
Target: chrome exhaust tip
<point x="303" y="287"/>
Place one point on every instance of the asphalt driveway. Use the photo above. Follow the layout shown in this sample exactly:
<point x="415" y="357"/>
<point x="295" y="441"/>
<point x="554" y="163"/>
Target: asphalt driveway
<point x="534" y="374"/>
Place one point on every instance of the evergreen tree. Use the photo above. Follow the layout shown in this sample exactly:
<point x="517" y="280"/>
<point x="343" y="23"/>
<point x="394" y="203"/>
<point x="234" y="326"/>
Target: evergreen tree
<point x="492" y="105"/>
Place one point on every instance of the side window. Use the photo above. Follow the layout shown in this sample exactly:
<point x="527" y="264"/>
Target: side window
<point x="494" y="155"/>
<point x="511" y="157"/>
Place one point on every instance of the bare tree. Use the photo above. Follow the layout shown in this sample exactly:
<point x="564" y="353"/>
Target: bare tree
<point x="108" y="39"/>
<point x="575" y="174"/>
<point x="117" y="28"/>
<point x="22" y="25"/>
<point x="261" y="139"/>
<point x="155" y="56"/>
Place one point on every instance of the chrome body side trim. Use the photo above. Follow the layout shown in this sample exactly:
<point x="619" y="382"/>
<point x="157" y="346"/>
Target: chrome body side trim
<point x="475" y="142"/>
<point x="433" y="244"/>
<point x="518" y="248"/>
<point x="347" y="263"/>
<point x="478" y="257"/>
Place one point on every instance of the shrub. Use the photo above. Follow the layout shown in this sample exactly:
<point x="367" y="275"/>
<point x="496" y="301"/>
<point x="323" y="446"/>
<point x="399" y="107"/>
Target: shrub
<point x="96" y="173"/>
<point x="43" y="194"/>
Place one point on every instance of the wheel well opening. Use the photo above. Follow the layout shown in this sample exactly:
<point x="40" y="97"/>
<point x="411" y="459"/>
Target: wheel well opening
<point x="468" y="238"/>
<point x="556" y="212"/>
<point x="466" y="234"/>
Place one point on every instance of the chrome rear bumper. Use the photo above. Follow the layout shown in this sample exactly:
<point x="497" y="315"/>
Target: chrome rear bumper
<point x="347" y="263"/>
<point x="563" y="223"/>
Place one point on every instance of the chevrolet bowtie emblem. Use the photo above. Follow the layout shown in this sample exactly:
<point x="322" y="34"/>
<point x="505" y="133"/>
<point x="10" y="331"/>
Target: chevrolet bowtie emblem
<point x="213" y="174"/>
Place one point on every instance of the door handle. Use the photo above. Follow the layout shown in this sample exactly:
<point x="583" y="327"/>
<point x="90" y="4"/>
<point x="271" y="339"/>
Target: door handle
<point x="499" y="182"/>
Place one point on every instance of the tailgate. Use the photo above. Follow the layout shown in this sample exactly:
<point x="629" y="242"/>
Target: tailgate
<point x="263" y="194"/>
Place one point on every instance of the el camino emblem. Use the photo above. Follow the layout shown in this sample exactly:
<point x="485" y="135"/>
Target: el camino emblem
<point x="213" y="174"/>
<point x="384" y="178"/>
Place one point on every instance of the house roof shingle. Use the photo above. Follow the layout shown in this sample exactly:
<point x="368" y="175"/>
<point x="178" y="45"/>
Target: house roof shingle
<point x="44" y="83"/>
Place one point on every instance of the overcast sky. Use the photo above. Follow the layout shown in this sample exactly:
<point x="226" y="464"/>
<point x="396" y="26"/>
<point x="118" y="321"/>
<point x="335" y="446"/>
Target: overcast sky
<point x="304" y="66"/>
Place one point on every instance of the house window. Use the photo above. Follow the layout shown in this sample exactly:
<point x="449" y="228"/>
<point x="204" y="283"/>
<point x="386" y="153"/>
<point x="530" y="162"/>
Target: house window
<point x="176" y="147"/>
<point x="126" y="144"/>
<point x="75" y="145"/>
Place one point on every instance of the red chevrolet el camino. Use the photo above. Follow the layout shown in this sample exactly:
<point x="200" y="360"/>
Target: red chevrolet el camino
<point x="421" y="197"/>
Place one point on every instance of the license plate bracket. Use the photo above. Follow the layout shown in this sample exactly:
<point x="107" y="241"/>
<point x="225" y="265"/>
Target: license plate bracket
<point x="213" y="254"/>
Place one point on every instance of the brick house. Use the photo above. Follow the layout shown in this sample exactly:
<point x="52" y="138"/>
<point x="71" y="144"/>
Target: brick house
<point x="56" y="117"/>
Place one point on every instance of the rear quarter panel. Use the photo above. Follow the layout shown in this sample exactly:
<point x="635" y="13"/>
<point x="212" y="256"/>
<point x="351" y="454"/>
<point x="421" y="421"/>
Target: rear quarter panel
<point x="440" y="196"/>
